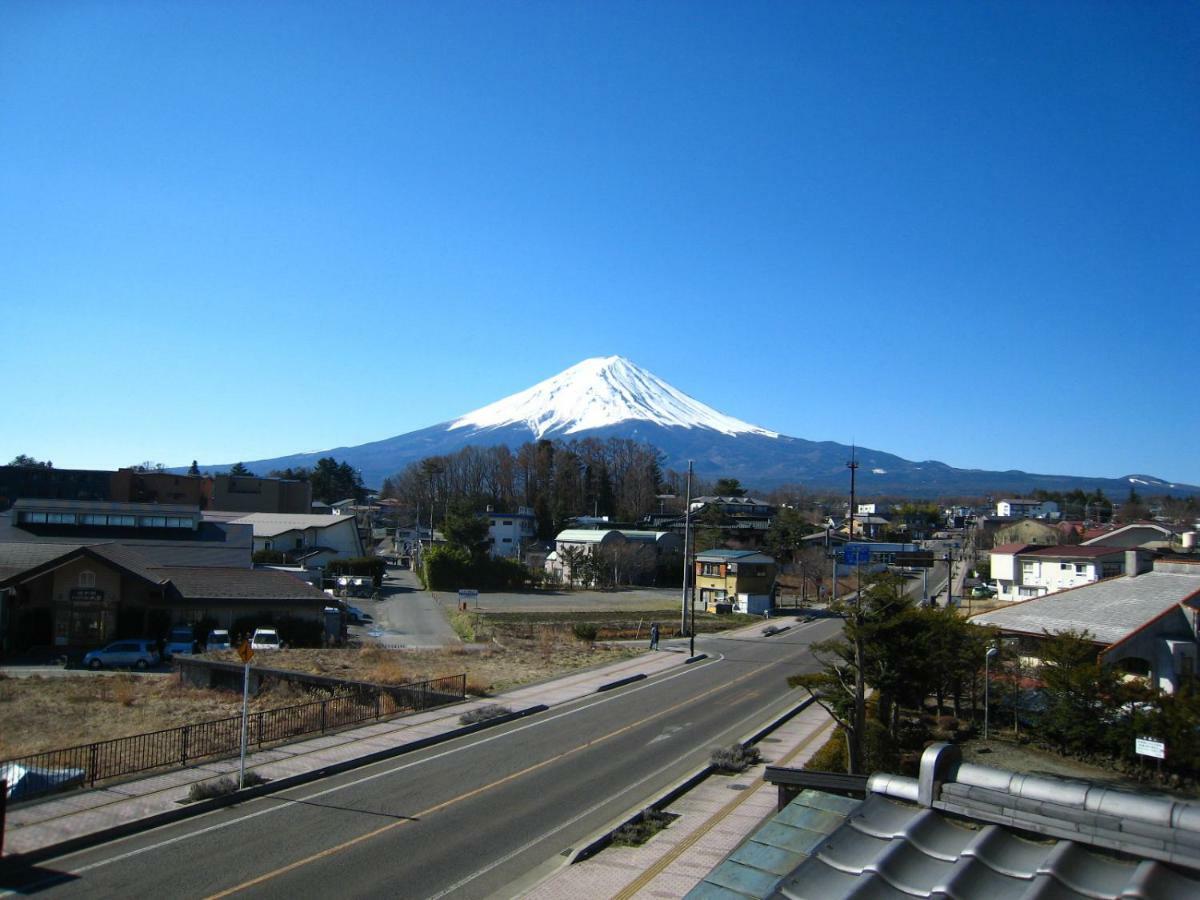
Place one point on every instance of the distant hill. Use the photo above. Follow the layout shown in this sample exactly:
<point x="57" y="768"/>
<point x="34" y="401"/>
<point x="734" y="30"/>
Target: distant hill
<point x="612" y="397"/>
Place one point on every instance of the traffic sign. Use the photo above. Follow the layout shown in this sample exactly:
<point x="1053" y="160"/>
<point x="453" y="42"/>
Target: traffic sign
<point x="245" y="651"/>
<point x="923" y="560"/>
<point x="856" y="554"/>
<point x="1150" y="747"/>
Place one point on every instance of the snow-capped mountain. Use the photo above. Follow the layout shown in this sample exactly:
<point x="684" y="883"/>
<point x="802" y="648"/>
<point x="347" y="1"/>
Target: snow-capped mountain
<point x="612" y="397"/>
<point x="599" y="393"/>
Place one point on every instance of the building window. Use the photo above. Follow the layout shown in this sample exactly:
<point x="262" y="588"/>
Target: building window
<point x="87" y="579"/>
<point x="711" y="569"/>
<point x="1080" y="569"/>
<point x="1065" y="566"/>
<point x="154" y="521"/>
<point x="506" y="522"/>
<point x="34" y="518"/>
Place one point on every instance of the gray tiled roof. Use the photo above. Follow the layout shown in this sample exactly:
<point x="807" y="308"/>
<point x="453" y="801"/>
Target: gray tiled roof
<point x="17" y="556"/>
<point x="210" y="583"/>
<point x="1110" y="610"/>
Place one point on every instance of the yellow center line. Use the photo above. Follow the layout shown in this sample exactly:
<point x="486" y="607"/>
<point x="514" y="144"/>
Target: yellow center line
<point x="345" y="845"/>
<point x="678" y="850"/>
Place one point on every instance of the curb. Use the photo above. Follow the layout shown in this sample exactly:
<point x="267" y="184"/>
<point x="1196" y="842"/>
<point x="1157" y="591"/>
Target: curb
<point x="72" y="845"/>
<point x="678" y="790"/>
<point x="621" y="682"/>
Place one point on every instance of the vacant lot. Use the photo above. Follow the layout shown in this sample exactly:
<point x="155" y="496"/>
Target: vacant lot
<point x="39" y="714"/>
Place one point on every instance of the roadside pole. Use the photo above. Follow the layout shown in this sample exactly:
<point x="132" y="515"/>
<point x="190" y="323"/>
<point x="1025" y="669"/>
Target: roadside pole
<point x="687" y="529"/>
<point x="247" y="654"/>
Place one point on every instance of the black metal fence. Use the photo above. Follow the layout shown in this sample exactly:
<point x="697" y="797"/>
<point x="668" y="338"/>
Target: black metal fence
<point x="43" y="773"/>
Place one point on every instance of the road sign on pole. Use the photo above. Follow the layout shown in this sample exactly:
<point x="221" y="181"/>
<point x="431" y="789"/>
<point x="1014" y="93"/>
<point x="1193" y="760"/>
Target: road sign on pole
<point x="1150" y="747"/>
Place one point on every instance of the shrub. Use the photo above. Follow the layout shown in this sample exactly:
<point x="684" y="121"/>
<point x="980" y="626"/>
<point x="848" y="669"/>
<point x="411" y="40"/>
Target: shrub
<point x="207" y="790"/>
<point x="586" y="632"/>
<point x="483" y="713"/>
<point x="648" y="823"/>
<point x="465" y="625"/>
<point x="734" y="758"/>
<point x="831" y="757"/>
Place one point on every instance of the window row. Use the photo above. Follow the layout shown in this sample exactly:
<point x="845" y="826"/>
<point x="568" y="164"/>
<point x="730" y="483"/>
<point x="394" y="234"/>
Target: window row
<point x="121" y="520"/>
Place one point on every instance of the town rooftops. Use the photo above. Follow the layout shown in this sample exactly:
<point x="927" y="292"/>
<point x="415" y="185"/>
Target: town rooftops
<point x="1109" y="610"/>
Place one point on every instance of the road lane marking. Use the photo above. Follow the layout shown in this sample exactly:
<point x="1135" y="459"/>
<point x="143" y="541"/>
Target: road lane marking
<point x="282" y="802"/>
<point x="391" y="826"/>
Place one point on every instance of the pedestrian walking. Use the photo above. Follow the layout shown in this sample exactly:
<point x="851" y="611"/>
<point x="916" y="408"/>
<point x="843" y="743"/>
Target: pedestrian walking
<point x="653" y="635"/>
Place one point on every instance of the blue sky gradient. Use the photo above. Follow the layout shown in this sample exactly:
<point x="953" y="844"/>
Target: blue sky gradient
<point x="965" y="232"/>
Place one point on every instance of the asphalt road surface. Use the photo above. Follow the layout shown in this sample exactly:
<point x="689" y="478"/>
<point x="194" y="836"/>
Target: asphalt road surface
<point x="406" y="617"/>
<point x="473" y="817"/>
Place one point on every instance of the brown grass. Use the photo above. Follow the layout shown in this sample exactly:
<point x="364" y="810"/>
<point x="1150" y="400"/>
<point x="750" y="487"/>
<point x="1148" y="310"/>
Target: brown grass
<point x="38" y="714"/>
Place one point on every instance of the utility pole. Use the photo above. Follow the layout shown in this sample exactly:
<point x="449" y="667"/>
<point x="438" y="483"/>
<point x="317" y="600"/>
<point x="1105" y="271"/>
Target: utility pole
<point x="853" y="467"/>
<point x="687" y="559"/>
<point x="860" y="686"/>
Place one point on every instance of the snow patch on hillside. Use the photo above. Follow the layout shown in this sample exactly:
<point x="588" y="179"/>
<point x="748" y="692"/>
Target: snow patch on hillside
<point x="597" y="393"/>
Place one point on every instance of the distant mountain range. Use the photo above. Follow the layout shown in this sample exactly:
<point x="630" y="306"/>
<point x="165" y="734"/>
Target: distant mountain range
<point x="612" y="397"/>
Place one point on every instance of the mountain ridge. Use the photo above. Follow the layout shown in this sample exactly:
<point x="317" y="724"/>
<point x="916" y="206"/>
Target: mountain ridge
<point x="610" y="396"/>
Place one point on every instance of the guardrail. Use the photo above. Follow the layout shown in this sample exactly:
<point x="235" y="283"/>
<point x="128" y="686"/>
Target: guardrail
<point x="54" y="770"/>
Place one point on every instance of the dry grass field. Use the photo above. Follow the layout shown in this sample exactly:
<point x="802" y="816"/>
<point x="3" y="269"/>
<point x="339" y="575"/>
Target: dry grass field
<point x="38" y="714"/>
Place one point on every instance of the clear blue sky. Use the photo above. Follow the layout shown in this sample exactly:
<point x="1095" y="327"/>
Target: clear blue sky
<point x="966" y="232"/>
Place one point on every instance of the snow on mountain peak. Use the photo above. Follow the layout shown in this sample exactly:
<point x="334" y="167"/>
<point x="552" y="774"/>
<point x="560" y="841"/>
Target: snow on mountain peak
<point x="599" y="392"/>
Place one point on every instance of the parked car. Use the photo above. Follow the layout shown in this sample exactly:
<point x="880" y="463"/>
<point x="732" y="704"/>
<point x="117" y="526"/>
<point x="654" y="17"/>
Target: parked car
<point x="180" y="640"/>
<point x="140" y="653"/>
<point x="357" y="616"/>
<point x="265" y="639"/>
<point x="218" y="639"/>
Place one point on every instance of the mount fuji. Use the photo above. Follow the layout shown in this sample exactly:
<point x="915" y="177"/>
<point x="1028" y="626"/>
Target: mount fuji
<point x="612" y="397"/>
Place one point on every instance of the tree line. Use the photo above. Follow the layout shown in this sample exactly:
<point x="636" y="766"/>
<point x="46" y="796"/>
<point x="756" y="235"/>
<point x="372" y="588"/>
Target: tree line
<point x="558" y="480"/>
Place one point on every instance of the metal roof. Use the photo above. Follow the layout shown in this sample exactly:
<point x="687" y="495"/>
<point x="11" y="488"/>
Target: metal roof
<point x="585" y="535"/>
<point x="271" y="524"/>
<point x="1110" y="610"/>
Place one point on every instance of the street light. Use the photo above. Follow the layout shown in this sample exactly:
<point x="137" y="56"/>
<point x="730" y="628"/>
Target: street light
<point x="992" y="651"/>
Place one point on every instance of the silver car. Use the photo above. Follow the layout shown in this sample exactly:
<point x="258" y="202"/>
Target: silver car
<point x="136" y="652"/>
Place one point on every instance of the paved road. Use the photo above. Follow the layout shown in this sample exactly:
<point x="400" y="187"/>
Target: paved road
<point x="406" y="617"/>
<point x="470" y="817"/>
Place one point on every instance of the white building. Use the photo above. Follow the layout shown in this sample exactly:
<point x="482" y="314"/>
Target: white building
<point x="1024" y="571"/>
<point x="313" y="539"/>
<point x="1031" y="509"/>
<point x="508" y="532"/>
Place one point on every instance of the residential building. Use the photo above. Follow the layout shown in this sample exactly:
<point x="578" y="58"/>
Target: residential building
<point x="509" y="532"/>
<point x="1033" y="509"/>
<point x="1022" y="571"/>
<point x="743" y="579"/>
<point x="636" y="555"/>
<point x="1145" y="624"/>
<point x="309" y="539"/>
<point x="585" y="541"/>
<point x="1028" y="531"/>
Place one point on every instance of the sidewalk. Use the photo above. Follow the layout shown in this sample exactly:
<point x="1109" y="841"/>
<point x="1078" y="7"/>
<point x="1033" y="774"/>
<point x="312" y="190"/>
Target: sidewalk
<point x="65" y="822"/>
<point x="715" y="817"/>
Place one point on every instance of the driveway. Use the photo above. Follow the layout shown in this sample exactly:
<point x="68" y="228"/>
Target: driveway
<point x="407" y="617"/>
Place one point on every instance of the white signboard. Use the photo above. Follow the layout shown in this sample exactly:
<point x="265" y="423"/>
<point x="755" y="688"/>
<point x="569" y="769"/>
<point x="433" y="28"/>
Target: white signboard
<point x="1150" y="747"/>
<point x="466" y="595"/>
